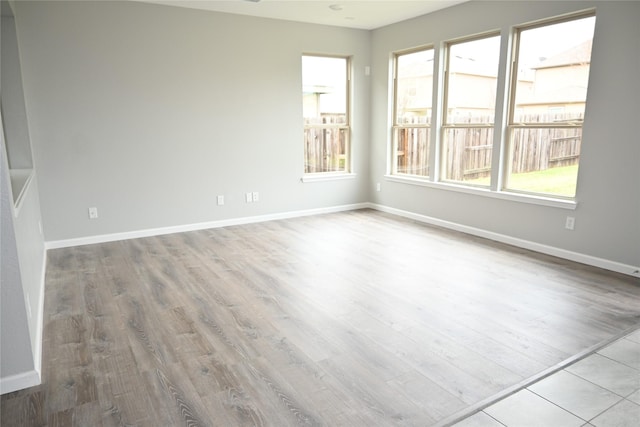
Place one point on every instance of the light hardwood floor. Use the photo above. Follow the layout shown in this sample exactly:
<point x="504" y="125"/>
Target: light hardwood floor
<point x="349" y="319"/>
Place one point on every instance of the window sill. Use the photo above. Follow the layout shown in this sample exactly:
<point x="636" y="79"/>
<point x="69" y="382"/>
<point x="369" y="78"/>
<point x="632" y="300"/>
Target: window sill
<point x="319" y="177"/>
<point x="485" y="192"/>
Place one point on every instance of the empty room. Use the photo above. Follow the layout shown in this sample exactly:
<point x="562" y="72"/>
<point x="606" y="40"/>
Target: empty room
<point x="336" y="213"/>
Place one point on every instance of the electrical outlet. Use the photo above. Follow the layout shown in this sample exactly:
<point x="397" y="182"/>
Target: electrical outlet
<point x="256" y="196"/>
<point x="248" y="197"/>
<point x="220" y="200"/>
<point x="93" y="213"/>
<point x="378" y="186"/>
<point x="570" y="223"/>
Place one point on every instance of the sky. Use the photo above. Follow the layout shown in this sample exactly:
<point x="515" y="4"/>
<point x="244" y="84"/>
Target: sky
<point x="535" y="43"/>
<point x="545" y="42"/>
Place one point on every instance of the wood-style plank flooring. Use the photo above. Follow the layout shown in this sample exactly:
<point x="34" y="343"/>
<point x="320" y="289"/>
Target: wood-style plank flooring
<point x="349" y="319"/>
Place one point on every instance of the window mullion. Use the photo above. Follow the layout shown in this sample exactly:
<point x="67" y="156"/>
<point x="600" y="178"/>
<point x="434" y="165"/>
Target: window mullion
<point x="502" y="111"/>
<point x="435" y="159"/>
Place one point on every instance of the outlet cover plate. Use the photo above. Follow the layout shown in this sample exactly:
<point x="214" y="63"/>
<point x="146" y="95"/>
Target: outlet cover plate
<point x="570" y="223"/>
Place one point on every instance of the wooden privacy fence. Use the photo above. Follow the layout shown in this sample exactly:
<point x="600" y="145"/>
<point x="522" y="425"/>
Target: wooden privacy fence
<point x="468" y="151"/>
<point x="412" y="146"/>
<point x="325" y="148"/>
<point x="539" y="149"/>
<point x="412" y="150"/>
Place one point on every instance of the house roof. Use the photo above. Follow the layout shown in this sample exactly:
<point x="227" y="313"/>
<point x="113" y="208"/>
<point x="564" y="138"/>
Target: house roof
<point x="579" y="54"/>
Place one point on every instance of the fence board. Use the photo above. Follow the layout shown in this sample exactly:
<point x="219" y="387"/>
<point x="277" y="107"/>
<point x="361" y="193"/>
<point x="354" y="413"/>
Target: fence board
<point x="468" y="151"/>
<point x="325" y="149"/>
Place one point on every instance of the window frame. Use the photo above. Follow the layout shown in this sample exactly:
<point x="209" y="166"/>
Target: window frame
<point x="344" y="127"/>
<point x="501" y="156"/>
<point x="513" y="126"/>
<point x="396" y="127"/>
<point x="445" y="125"/>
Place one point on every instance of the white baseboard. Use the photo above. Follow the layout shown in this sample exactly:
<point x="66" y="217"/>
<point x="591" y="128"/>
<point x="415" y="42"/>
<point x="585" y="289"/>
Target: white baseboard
<point x="89" y="240"/>
<point x="19" y="381"/>
<point x="525" y="244"/>
<point x="521" y="243"/>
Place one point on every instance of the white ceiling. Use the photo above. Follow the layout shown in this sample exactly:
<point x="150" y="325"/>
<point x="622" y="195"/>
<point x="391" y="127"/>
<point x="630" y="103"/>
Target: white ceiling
<point x="360" y="14"/>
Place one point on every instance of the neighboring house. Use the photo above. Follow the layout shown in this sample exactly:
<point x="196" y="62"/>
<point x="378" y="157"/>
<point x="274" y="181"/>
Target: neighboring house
<point x="559" y="83"/>
<point x="556" y="85"/>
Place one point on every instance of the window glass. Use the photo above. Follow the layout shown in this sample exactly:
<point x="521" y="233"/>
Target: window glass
<point x="470" y="100"/>
<point x="325" y="89"/>
<point x="547" y="109"/>
<point x="414" y="86"/>
<point x="412" y="112"/>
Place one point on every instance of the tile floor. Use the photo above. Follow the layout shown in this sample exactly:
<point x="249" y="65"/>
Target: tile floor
<point x="601" y="390"/>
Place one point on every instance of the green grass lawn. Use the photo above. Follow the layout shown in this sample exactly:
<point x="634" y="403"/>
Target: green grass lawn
<point x="560" y="181"/>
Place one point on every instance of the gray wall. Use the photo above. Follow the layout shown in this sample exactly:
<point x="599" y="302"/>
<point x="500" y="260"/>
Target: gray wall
<point x="148" y="112"/>
<point x="608" y="194"/>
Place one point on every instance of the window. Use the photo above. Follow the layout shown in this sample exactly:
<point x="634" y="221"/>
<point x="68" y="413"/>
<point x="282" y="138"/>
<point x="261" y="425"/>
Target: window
<point x="548" y="97"/>
<point x="413" y="85"/>
<point x="469" y="109"/>
<point x="325" y="100"/>
<point x="540" y="86"/>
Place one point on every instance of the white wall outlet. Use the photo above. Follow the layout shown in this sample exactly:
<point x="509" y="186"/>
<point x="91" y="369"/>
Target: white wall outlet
<point x="248" y="197"/>
<point x="378" y="186"/>
<point x="256" y="196"/>
<point x="220" y="200"/>
<point x="570" y="223"/>
<point x="93" y="213"/>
